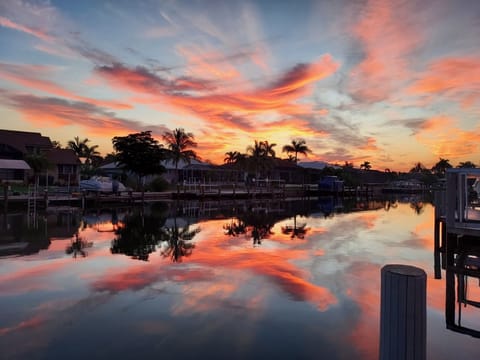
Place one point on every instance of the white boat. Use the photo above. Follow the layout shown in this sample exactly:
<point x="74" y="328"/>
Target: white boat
<point x="476" y="187"/>
<point x="102" y="184"/>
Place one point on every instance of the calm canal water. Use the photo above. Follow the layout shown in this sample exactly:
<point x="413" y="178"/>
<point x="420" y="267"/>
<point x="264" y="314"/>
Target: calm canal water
<point x="269" y="279"/>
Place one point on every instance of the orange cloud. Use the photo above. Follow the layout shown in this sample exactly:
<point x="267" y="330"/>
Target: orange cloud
<point x="239" y="112"/>
<point x="457" y="78"/>
<point x="371" y="145"/>
<point x="447" y="141"/>
<point x="278" y="96"/>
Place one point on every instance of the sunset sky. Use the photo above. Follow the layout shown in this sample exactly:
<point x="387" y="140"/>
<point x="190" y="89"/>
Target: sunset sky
<point x="386" y="81"/>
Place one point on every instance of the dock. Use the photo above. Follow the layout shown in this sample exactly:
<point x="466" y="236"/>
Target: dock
<point x="457" y="244"/>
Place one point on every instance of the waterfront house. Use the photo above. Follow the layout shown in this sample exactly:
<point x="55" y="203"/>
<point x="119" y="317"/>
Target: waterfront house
<point x="16" y="145"/>
<point x="65" y="166"/>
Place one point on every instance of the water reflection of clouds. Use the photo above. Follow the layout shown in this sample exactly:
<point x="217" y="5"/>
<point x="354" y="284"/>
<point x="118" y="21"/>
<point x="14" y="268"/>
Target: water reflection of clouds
<point x="335" y="268"/>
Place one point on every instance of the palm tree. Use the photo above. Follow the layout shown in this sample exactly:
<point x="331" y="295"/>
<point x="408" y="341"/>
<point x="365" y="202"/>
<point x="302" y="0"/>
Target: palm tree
<point x="231" y="157"/>
<point x="268" y="148"/>
<point x="260" y="156"/>
<point x="418" y="168"/>
<point x="296" y="147"/>
<point x="366" y="165"/>
<point x="90" y="153"/>
<point x="79" y="146"/>
<point x="466" y="164"/>
<point x="441" y="166"/>
<point x="179" y="144"/>
<point x="56" y="144"/>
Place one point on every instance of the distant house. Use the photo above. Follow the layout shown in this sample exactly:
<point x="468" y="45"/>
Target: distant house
<point x="65" y="166"/>
<point x="15" y="145"/>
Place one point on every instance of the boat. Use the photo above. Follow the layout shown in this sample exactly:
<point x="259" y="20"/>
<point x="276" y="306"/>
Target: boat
<point x="404" y="187"/>
<point x="102" y="184"/>
<point x="330" y="185"/>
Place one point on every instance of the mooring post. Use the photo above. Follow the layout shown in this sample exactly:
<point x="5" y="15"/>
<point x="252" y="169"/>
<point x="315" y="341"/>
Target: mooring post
<point x="5" y="198"/>
<point x="403" y="314"/>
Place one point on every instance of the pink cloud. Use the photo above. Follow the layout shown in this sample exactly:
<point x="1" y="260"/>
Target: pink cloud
<point x="26" y="29"/>
<point x="457" y="78"/>
<point x="388" y="37"/>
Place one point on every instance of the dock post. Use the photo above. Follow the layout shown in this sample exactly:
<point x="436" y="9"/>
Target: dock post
<point x="5" y="198"/>
<point x="436" y="248"/>
<point x="403" y="315"/>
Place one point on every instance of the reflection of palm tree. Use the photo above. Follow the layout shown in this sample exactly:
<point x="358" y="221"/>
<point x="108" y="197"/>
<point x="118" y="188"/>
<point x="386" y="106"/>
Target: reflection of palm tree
<point x="139" y="236"/>
<point x="77" y="247"/>
<point x="298" y="231"/>
<point x="390" y="204"/>
<point x="177" y="241"/>
<point x="417" y="206"/>
<point x="258" y="225"/>
<point x="235" y="228"/>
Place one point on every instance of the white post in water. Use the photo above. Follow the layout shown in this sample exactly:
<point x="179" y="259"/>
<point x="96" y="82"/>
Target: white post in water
<point x="403" y="318"/>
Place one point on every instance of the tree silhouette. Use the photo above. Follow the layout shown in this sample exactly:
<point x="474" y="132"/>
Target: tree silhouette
<point x="79" y="146"/>
<point x="180" y="144"/>
<point x="466" y="164"/>
<point x="296" y="147"/>
<point x="366" y="165"/>
<point x="139" y="153"/>
<point x="260" y="156"/>
<point x="418" y="168"/>
<point x="231" y="157"/>
<point x="441" y="166"/>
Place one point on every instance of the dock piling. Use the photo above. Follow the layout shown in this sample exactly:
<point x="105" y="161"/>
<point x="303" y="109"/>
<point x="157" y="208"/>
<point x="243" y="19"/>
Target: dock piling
<point x="403" y="313"/>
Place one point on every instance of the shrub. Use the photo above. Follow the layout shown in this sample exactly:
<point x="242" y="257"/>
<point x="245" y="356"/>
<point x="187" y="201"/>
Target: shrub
<point x="158" y="184"/>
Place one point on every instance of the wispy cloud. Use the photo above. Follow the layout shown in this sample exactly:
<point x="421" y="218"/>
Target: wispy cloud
<point x="38" y="33"/>
<point x="34" y="77"/>
<point x="453" y="78"/>
<point x="60" y="112"/>
<point x="387" y="36"/>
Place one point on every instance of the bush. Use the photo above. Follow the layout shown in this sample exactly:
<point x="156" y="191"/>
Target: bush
<point x="158" y="184"/>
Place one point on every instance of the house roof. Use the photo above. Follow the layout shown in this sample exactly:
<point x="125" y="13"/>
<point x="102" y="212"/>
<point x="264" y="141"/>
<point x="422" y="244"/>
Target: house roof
<point x="13" y="164"/>
<point x="63" y="156"/>
<point x="21" y="139"/>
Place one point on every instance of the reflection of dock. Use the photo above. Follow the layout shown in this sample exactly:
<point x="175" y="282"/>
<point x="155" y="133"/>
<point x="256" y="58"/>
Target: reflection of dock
<point x="457" y="243"/>
<point x="463" y="264"/>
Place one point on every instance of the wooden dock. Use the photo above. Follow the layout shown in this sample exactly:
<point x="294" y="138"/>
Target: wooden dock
<point x="457" y="243"/>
